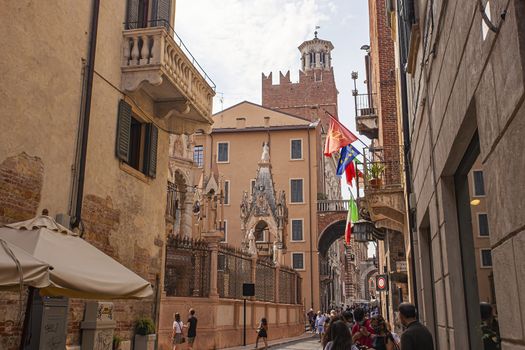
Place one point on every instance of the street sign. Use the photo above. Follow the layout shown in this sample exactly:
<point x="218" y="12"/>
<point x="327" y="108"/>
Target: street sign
<point x="381" y="283"/>
<point x="248" y="289"/>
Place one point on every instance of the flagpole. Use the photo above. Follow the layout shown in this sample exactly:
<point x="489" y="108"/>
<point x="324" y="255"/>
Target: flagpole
<point x="331" y="116"/>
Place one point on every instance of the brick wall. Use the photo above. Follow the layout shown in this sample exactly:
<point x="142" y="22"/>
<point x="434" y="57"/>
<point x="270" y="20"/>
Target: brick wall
<point x="316" y="87"/>
<point x="21" y="179"/>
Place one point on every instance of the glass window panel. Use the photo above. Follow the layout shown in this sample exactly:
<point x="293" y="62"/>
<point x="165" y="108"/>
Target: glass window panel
<point x="483" y="221"/>
<point x="297" y="230"/>
<point x="479" y="186"/>
<point x="223" y="152"/>
<point x="296" y="149"/>
<point x="297" y="191"/>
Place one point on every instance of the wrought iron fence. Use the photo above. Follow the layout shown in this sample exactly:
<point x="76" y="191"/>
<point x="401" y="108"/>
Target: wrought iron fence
<point x="188" y="264"/>
<point x="265" y="278"/>
<point x="233" y="269"/>
<point x="289" y="286"/>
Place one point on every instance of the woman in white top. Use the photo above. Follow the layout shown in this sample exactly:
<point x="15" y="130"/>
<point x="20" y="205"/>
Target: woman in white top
<point x="178" y="326"/>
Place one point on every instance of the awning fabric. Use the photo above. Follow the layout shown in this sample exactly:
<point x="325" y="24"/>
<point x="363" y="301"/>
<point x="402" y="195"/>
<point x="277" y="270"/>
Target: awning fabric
<point x="16" y="265"/>
<point x="79" y="269"/>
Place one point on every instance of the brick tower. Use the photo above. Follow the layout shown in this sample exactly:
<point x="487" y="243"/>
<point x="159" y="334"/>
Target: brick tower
<point x="315" y="91"/>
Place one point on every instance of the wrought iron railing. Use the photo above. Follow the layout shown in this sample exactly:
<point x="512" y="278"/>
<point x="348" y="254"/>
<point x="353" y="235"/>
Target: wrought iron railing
<point x="188" y="267"/>
<point x="382" y="167"/>
<point x="364" y="105"/>
<point x="289" y="286"/>
<point x="332" y="205"/>
<point x="234" y="269"/>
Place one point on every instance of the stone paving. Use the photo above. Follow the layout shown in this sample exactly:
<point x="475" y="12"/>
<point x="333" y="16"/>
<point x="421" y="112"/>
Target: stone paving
<point x="307" y="344"/>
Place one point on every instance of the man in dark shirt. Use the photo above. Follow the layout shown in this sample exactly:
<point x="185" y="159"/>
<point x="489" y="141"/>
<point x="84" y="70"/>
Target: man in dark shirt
<point x="192" y="329"/>
<point x="416" y="336"/>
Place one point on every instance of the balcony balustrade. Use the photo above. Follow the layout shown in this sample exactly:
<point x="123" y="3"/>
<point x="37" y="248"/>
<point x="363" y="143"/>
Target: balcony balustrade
<point x="156" y="61"/>
<point x="366" y="119"/>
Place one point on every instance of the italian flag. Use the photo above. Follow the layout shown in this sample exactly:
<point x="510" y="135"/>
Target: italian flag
<point x="353" y="216"/>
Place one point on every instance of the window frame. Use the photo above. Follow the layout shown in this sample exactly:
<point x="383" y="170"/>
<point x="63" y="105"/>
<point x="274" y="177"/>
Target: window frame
<point x="292" y="240"/>
<point x="227" y="153"/>
<point x="226" y="200"/>
<point x="479" y="226"/>
<point x="481" y="265"/>
<point x="200" y="164"/>
<point x="292" y="262"/>
<point x="291" y="149"/>
<point x="302" y="192"/>
<point x="474" y="194"/>
<point x="252" y="185"/>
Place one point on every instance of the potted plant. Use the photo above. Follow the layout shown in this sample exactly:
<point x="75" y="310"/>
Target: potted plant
<point x="144" y="334"/>
<point x="376" y="171"/>
<point x="116" y="342"/>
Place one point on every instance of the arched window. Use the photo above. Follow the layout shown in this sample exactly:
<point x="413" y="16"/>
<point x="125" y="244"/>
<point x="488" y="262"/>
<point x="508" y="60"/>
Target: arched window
<point x="261" y="231"/>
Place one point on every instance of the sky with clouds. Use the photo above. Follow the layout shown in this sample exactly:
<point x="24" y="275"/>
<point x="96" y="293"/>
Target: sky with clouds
<point x="235" y="41"/>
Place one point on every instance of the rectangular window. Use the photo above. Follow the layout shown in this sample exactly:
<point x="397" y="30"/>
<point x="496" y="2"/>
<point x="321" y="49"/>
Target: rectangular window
<point x="298" y="261"/>
<point x="297" y="229"/>
<point x="198" y="156"/>
<point x="136" y="141"/>
<point x="483" y="224"/>
<point x="223" y="155"/>
<point x="296" y="189"/>
<point x="227" y="192"/>
<point x="224" y="238"/>
<point x="252" y="186"/>
<point x="479" y="185"/>
<point x="296" y="149"/>
<point x="486" y="258"/>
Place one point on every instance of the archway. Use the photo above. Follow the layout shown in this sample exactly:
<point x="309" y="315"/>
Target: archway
<point x="365" y="276"/>
<point x="261" y="232"/>
<point x="330" y="234"/>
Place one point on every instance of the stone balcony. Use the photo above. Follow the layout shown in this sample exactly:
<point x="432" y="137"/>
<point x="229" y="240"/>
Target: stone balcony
<point x="383" y="186"/>
<point x="157" y="63"/>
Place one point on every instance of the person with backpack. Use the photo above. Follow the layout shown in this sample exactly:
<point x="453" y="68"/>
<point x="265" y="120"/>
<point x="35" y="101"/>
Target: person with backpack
<point x="178" y="328"/>
<point x="192" y="328"/>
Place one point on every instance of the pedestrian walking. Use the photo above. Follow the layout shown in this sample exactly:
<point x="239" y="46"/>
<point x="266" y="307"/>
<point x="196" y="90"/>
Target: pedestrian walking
<point x="362" y="331"/>
<point x="383" y="339"/>
<point x="192" y="328"/>
<point x="178" y="335"/>
<point x="416" y="336"/>
<point x="262" y="332"/>
<point x="311" y="320"/>
<point x="340" y="338"/>
<point x="348" y="318"/>
<point x="319" y="324"/>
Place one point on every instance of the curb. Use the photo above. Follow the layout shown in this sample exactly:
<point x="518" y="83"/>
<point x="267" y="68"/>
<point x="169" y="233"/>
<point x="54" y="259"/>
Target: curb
<point x="277" y="342"/>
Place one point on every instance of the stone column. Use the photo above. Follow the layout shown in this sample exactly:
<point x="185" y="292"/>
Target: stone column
<point x="254" y="273"/>
<point x="307" y="61"/>
<point x="213" y="239"/>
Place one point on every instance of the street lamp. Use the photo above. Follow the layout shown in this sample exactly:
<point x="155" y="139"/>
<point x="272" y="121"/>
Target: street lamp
<point x="363" y="231"/>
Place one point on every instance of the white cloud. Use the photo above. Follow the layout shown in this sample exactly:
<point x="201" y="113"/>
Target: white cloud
<point x="237" y="40"/>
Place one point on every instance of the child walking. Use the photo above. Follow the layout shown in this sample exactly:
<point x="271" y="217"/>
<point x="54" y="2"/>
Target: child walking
<point x="262" y="332"/>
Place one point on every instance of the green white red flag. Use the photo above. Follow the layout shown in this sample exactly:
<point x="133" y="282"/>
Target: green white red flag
<point x="353" y="216"/>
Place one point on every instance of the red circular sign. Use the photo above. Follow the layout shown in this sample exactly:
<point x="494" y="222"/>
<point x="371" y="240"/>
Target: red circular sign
<point x="381" y="283"/>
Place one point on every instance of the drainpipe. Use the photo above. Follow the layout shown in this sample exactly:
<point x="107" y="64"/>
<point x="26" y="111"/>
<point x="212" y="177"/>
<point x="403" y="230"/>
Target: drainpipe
<point x="408" y="176"/>
<point x="310" y="208"/>
<point x="78" y="191"/>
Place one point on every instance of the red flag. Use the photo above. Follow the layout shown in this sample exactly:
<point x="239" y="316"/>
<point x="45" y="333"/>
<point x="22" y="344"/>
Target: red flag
<point x="350" y="173"/>
<point x="338" y="137"/>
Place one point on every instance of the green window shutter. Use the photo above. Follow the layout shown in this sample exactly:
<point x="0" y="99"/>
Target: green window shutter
<point x="150" y="151"/>
<point x="123" y="131"/>
<point x="132" y="14"/>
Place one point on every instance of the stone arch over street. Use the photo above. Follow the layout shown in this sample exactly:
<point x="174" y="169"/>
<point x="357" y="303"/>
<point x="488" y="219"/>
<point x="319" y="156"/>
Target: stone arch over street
<point x="365" y="276"/>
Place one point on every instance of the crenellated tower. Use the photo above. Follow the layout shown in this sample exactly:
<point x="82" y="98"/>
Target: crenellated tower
<point x="315" y="92"/>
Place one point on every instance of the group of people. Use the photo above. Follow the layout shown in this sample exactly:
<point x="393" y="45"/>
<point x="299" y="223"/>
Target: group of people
<point x="179" y="327"/>
<point x="354" y="330"/>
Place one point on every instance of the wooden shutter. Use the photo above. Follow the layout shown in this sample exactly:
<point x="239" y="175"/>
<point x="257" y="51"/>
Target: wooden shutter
<point x="132" y="15"/>
<point x="162" y="13"/>
<point x="123" y="131"/>
<point x="150" y="151"/>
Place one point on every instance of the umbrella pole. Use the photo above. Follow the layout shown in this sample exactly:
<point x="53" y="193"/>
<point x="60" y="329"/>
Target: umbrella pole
<point x="27" y="316"/>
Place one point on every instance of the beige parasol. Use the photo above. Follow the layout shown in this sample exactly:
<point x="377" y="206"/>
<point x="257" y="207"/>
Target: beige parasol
<point x="18" y="268"/>
<point x="79" y="269"/>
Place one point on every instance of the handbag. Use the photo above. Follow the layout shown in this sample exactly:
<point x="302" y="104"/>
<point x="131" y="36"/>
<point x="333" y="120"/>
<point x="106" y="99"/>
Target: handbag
<point x="183" y="340"/>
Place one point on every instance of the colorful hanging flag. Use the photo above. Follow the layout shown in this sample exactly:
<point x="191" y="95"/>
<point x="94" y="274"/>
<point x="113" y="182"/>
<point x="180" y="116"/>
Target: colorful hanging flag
<point x="350" y="173"/>
<point x="348" y="153"/>
<point x="338" y="137"/>
<point x="353" y="216"/>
